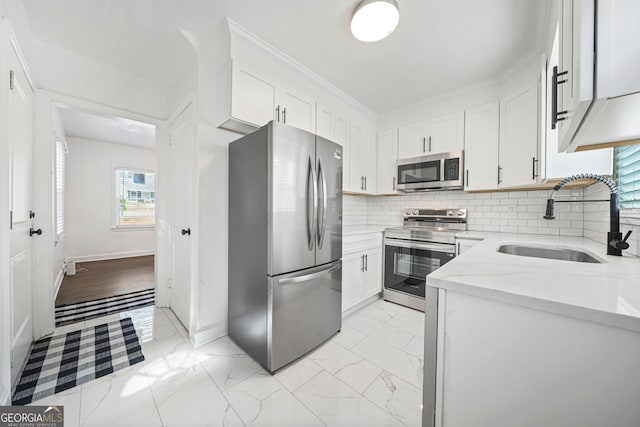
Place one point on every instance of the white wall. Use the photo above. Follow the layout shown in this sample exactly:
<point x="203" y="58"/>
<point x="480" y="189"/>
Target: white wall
<point x="89" y="200"/>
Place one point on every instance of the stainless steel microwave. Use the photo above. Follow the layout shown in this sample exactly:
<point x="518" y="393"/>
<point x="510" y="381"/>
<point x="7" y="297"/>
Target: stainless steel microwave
<point x="442" y="171"/>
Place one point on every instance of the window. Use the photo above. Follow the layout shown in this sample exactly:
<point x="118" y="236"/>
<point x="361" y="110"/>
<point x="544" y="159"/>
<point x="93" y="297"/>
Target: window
<point x="61" y="150"/>
<point x="135" y="198"/>
<point x="627" y="172"/>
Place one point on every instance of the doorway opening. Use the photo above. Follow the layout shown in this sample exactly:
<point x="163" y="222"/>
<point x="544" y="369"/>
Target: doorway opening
<point x="105" y="198"/>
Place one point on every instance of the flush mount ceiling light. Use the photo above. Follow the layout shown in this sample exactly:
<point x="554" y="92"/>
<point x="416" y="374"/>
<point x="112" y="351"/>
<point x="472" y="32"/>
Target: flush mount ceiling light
<point x="374" y="20"/>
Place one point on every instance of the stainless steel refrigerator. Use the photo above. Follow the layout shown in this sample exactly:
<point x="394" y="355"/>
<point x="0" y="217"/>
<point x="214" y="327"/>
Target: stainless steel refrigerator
<point x="285" y="243"/>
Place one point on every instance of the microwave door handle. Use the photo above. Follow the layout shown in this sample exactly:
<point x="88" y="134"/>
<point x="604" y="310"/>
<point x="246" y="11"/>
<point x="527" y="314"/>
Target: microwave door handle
<point x="322" y="217"/>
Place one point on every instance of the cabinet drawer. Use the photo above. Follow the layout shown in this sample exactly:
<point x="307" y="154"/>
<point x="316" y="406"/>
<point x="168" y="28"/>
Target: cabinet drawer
<point x="360" y="242"/>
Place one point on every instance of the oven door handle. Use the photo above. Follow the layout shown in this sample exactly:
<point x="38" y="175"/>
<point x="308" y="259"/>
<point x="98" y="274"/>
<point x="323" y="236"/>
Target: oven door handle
<point x="450" y="249"/>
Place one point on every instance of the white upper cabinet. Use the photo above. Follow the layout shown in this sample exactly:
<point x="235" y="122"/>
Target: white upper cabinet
<point x="518" y="151"/>
<point x="436" y="135"/>
<point x="245" y="101"/>
<point x="482" y="136"/>
<point x="445" y="133"/>
<point x="324" y="122"/>
<point x="605" y="36"/>
<point x="362" y="158"/>
<point x="295" y="109"/>
<point x="411" y="141"/>
<point x="386" y="162"/>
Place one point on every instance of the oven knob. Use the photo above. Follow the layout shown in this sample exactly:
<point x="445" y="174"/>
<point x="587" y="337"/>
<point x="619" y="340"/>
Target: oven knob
<point x="449" y="213"/>
<point x="415" y="212"/>
<point x="460" y="213"/>
<point x="407" y="212"/>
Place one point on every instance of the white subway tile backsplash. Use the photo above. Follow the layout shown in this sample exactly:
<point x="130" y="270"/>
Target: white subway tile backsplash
<point x="519" y="211"/>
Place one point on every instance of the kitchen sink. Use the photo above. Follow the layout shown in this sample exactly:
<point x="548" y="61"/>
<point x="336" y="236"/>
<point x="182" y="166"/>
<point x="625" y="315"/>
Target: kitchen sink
<point x="549" y="253"/>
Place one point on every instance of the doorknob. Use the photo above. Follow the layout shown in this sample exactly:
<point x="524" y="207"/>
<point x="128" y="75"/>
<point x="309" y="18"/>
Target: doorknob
<point x="32" y="231"/>
<point x="186" y="231"/>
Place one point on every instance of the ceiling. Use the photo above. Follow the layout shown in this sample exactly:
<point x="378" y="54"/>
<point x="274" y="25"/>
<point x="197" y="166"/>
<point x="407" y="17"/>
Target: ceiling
<point x="79" y="124"/>
<point x="438" y="46"/>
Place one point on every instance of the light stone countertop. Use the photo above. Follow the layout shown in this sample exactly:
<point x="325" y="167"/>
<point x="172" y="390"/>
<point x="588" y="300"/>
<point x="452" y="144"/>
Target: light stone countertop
<point x="352" y="230"/>
<point x="607" y="293"/>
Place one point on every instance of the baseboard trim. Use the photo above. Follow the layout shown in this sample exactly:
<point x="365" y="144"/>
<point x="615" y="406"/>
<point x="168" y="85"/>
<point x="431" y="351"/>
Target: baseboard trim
<point x="362" y="304"/>
<point x="209" y="333"/>
<point x="115" y="255"/>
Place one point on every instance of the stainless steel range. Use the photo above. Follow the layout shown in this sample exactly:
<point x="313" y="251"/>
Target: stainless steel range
<point x="423" y="244"/>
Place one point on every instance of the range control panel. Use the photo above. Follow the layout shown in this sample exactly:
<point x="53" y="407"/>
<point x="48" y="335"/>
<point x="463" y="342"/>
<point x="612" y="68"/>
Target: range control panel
<point x="435" y="214"/>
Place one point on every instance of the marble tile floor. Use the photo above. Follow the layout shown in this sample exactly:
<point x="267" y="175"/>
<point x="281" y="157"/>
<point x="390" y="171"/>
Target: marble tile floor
<point x="370" y="374"/>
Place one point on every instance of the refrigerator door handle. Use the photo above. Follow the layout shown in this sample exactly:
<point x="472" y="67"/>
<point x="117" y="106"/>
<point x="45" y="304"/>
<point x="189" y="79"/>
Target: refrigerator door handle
<point x="307" y="277"/>
<point x="322" y="204"/>
<point x="312" y="205"/>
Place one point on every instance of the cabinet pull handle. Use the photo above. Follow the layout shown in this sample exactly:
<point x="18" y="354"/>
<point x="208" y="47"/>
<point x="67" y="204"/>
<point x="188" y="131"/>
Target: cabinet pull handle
<point x="554" y="97"/>
<point x="394" y="183"/>
<point x="466" y="180"/>
<point x="278" y="113"/>
<point x="284" y="115"/>
<point x="458" y="248"/>
<point x="366" y="262"/>
<point x="429" y="144"/>
<point x="424" y="144"/>
<point x="361" y="262"/>
<point x="499" y="171"/>
<point x="534" y="175"/>
<point x="365" y="182"/>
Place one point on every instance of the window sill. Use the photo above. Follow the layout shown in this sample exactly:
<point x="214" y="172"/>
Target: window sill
<point x="133" y="227"/>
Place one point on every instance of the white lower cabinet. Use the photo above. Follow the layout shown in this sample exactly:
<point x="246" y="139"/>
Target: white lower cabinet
<point x="463" y="245"/>
<point x="361" y="268"/>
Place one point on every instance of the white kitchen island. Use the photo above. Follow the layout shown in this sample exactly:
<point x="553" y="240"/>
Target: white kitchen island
<point x="524" y="341"/>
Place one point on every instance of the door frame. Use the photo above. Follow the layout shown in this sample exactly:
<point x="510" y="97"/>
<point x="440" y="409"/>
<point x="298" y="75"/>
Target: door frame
<point x="45" y="280"/>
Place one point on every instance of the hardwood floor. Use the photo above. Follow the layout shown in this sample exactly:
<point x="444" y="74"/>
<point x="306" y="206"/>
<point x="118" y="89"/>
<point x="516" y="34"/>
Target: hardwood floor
<point x="107" y="278"/>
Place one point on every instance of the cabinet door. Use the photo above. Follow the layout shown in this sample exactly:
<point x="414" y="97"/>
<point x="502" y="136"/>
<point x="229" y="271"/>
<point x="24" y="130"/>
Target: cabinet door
<point x="386" y="164"/>
<point x="252" y="100"/>
<point x="576" y="59"/>
<point x="356" y="148"/>
<point x="445" y="133"/>
<point x="411" y="141"/>
<point x="519" y="137"/>
<point x="368" y="162"/>
<point x="481" y="147"/>
<point x="324" y="122"/>
<point x="352" y="265"/>
<point x="296" y="110"/>
<point x="372" y="275"/>
<point x="341" y="136"/>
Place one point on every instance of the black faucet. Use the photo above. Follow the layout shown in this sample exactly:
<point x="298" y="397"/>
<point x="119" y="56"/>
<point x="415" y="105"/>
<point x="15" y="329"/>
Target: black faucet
<point x="615" y="243"/>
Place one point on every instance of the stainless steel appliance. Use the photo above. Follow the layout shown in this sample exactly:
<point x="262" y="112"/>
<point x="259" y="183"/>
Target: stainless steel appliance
<point x="434" y="172"/>
<point x="423" y="244"/>
<point x="285" y="243"/>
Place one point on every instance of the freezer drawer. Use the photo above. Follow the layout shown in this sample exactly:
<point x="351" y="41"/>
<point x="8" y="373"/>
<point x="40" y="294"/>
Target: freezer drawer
<point x="305" y="309"/>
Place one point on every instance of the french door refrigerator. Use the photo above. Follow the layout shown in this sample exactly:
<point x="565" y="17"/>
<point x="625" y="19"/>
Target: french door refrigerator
<point x="285" y="243"/>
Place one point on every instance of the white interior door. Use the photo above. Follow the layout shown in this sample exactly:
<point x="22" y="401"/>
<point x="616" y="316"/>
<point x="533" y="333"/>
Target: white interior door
<point x="182" y="140"/>
<point x="20" y="123"/>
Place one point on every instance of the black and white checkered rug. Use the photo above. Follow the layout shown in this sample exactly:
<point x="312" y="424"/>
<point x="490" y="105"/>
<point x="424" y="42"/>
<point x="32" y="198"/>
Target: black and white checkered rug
<point x="71" y="313"/>
<point x="63" y="361"/>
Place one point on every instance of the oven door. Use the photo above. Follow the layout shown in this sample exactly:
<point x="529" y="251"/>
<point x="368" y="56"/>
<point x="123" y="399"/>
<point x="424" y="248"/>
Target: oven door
<point x="407" y="264"/>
